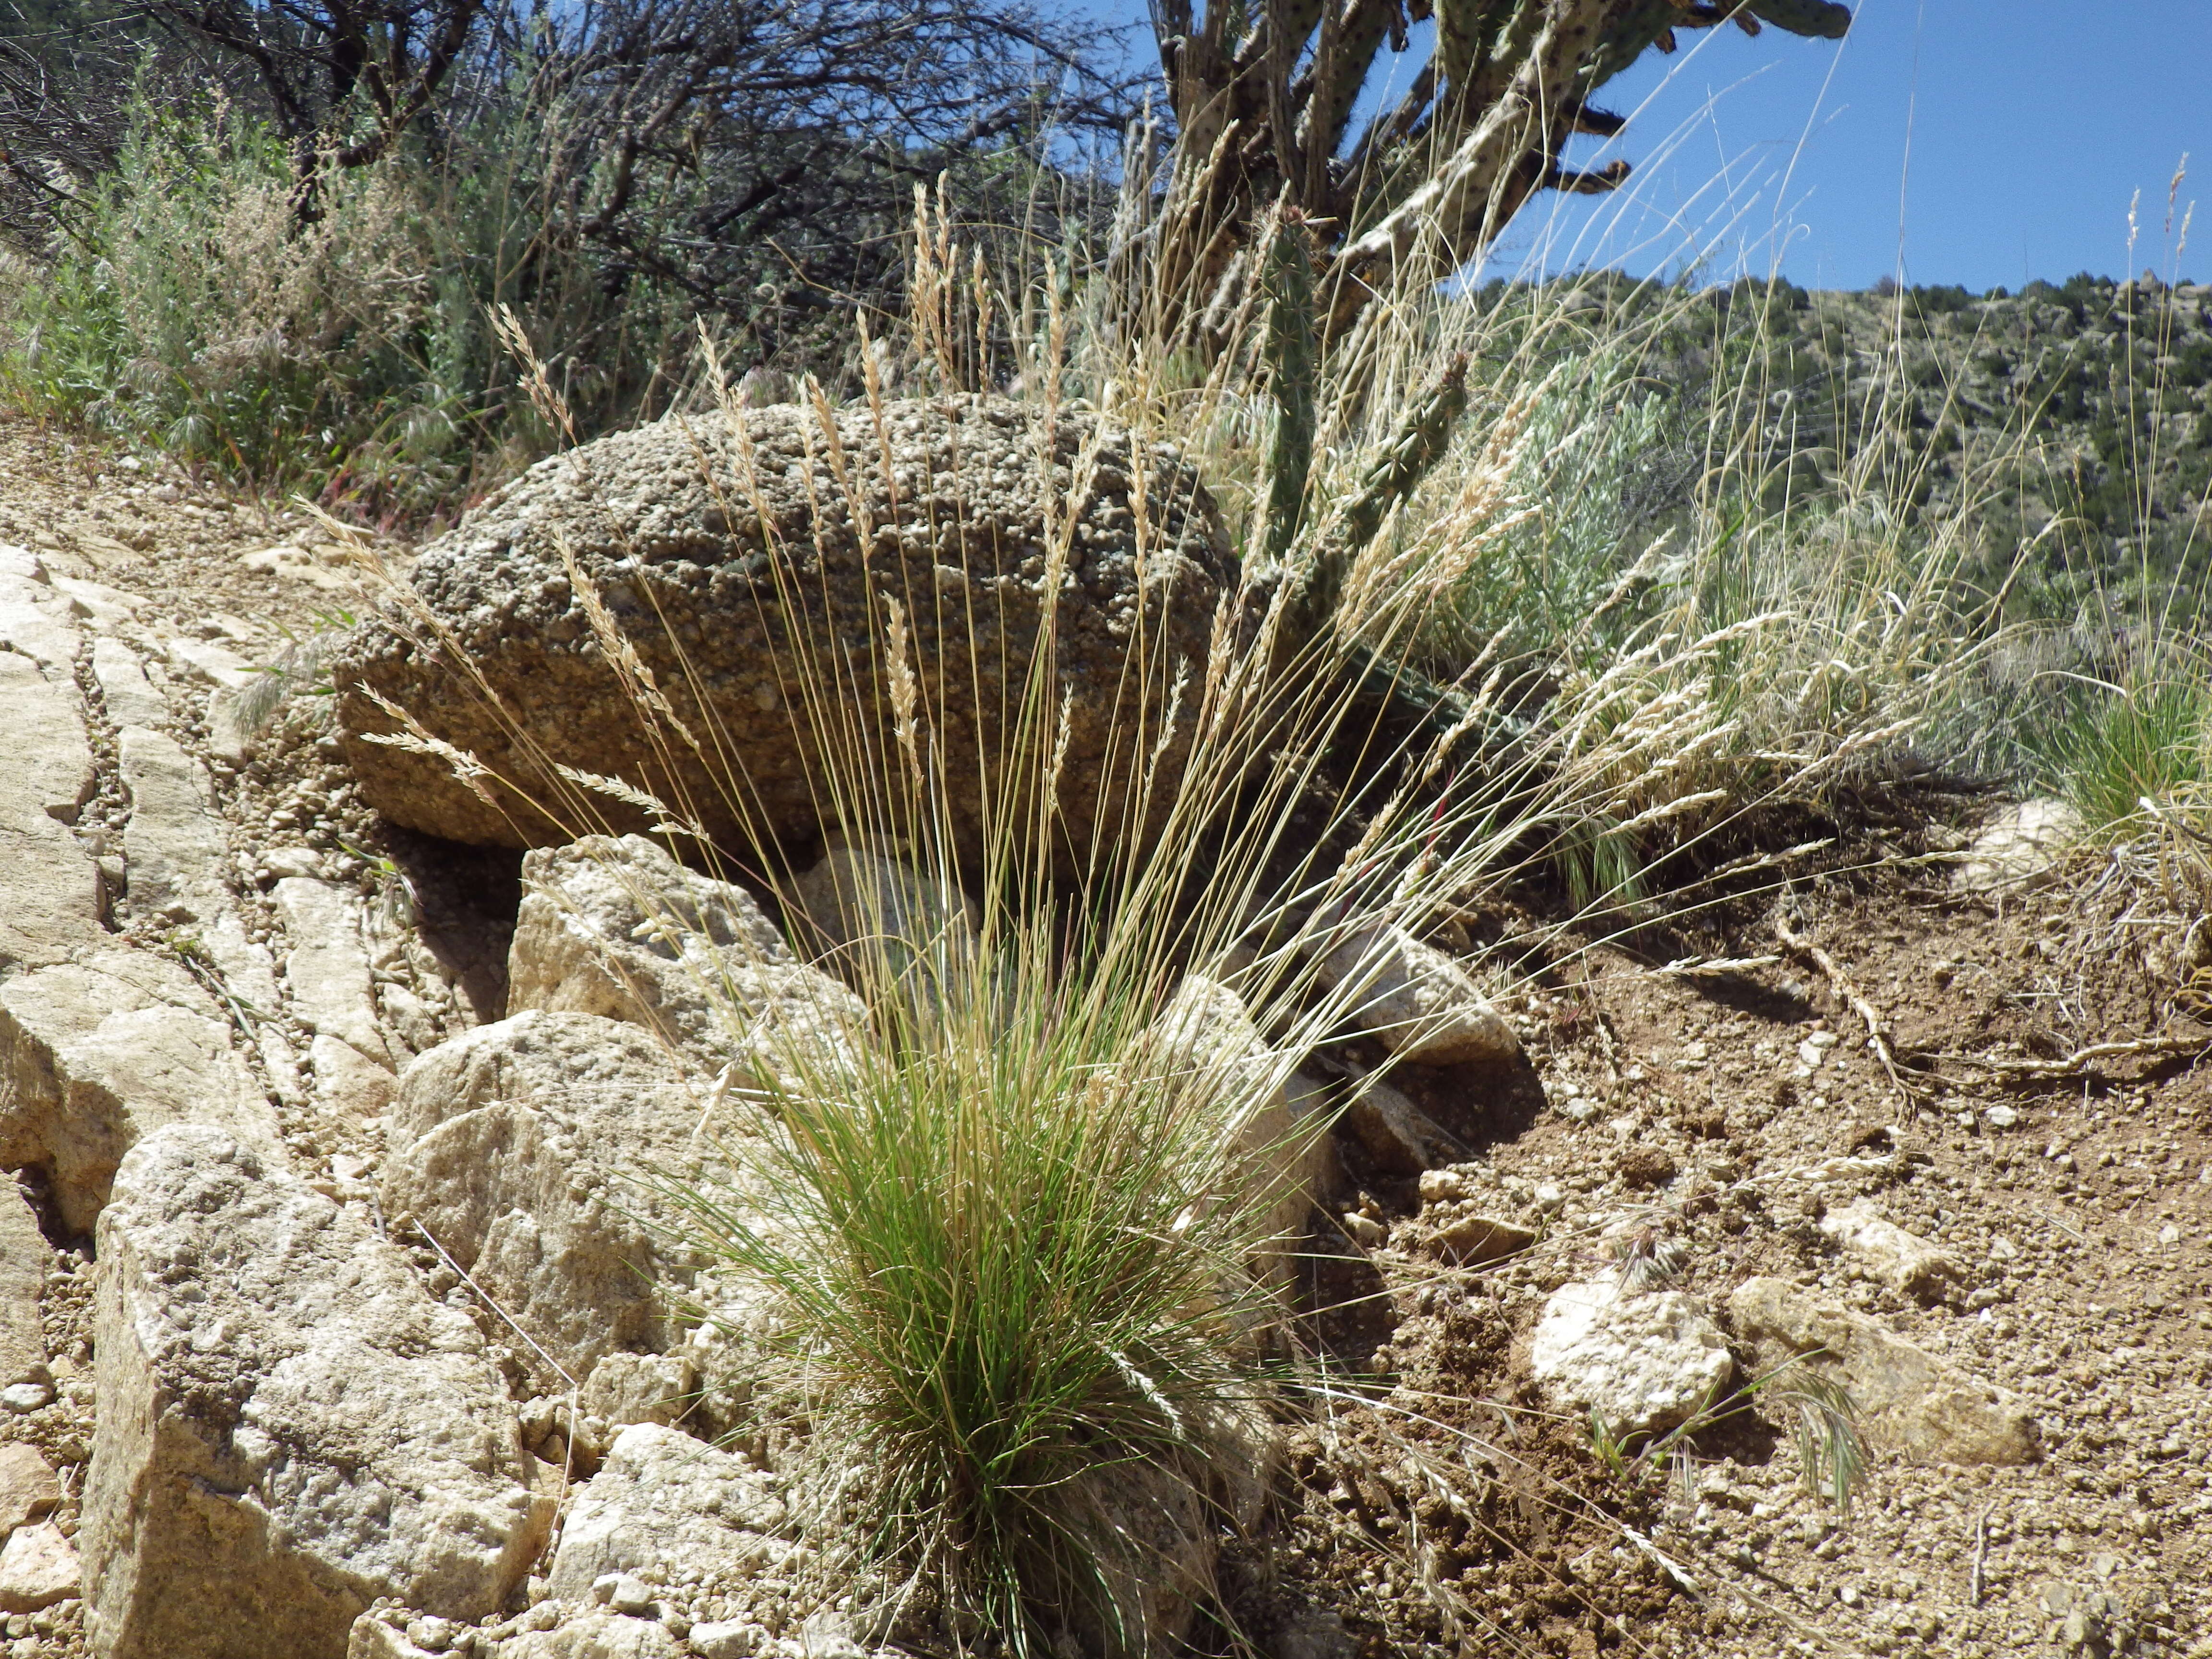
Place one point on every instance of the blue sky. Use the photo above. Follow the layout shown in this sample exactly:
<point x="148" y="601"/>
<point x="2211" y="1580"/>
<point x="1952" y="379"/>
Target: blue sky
<point x="2027" y="125"/>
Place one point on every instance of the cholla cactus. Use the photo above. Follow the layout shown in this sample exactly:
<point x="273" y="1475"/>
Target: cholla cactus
<point x="1265" y="97"/>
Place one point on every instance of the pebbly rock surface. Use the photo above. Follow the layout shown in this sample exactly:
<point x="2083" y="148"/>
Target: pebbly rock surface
<point x="753" y="583"/>
<point x="289" y="1426"/>
<point x="527" y="1150"/>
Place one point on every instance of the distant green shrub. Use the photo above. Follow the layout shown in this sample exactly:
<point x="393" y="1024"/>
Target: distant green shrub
<point x="345" y="348"/>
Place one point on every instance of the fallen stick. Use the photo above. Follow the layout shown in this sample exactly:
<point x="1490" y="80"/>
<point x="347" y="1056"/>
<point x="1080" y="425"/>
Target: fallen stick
<point x="2081" y="1059"/>
<point x="1877" y="1028"/>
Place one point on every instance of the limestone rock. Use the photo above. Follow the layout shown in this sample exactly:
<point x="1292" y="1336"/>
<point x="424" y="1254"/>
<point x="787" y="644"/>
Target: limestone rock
<point x="1641" y="1360"/>
<point x="1275" y="1152"/>
<point x="1903" y="1260"/>
<point x="639" y="1388"/>
<point x="1416" y="1001"/>
<point x="37" y="620"/>
<point x="38" y="1568"/>
<point x="174" y="843"/>
<point x="121" y="673"/>
<point x="328" y="972"/>
<point x="100" y="1054"/>
<point x="782" y="626"/>
<point x="24" y="1258"/>
<point x="49" y="889"/>
<point x="620" y="929"/>
<point x="1908" y="1400"/>
<point x="598" y="1634"/>
<point x="863" y="891"/>
<point x="527" y="1149"/>
<point x="28" y="1487"/>
<point x="2019" y="844"/>
<point x="666" y="1506"/>
<point x="289" y="1427"/>
<point x="1400" y="1138"/>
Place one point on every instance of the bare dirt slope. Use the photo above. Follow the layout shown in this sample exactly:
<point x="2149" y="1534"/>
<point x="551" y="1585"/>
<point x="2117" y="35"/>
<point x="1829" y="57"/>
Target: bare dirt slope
<point x="1710" y="1120"/>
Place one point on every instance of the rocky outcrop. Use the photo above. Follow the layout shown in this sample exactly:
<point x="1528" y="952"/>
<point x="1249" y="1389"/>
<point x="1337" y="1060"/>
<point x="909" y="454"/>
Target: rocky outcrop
<point x="529" y="1150"/>
<point x="754" y="583"/>
<point x="1641" y="1360"/>
<point x="288" y="1428"/>
<point x="1908" y="1400"/>
<point x="617" y="928"/>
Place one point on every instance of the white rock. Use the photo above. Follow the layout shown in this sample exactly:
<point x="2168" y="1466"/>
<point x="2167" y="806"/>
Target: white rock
<point x="1903" y="1260"/>
<point x="2019" y="844"/>
<point x="328" y="971"/>
<point x="24" y="1258"/>
<point x="1641" y="1360"/>
<point x="527" y="1149"/>
<point x="618" y="928"/>
<point x="37" y="620"/>
<point x="289" y="1427"/>
<point x="1420" y="1004"/>
<point x="174" y="843"/>
<point x="2000" y="1117"/>
<point x="666" y="1506"/>
<point x="215" y="664"/>
<point x="20" y="1397"/>
<point x="1908" y="1400"/>
<point x="38" y="1568"/>
<point x="623" y="1592"/>
<point x="49" y="889"/>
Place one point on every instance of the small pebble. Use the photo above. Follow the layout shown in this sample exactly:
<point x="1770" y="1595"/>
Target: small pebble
<point x="27" y="1396"/>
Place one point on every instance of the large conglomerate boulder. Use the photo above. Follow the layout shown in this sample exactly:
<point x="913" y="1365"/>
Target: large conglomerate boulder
<point x="757" y="582"/>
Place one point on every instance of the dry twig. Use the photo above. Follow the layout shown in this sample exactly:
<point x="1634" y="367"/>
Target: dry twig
<point x="1877" y="1028"/>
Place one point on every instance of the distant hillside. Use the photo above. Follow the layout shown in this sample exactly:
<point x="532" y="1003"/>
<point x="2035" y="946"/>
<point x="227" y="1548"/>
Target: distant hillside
<point x="2071" y="416"/>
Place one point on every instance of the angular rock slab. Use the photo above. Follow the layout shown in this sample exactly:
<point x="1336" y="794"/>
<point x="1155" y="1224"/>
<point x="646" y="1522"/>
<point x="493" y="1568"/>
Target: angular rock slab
<point x="1903" y="1260"/>
<point x="1908" y="1400"/>
<point x="96" y="1055"/>
<point x="1641" y="1360"/>
<point x="49" y="889"/>
<point x="25" y="1256"/>
<point x="289" y="1427"/>
<point x="667" y="1507"/>
<point x="618" y="928"/>
<point x="1416" y="1001"/>
<point x="529" y="1149"/>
